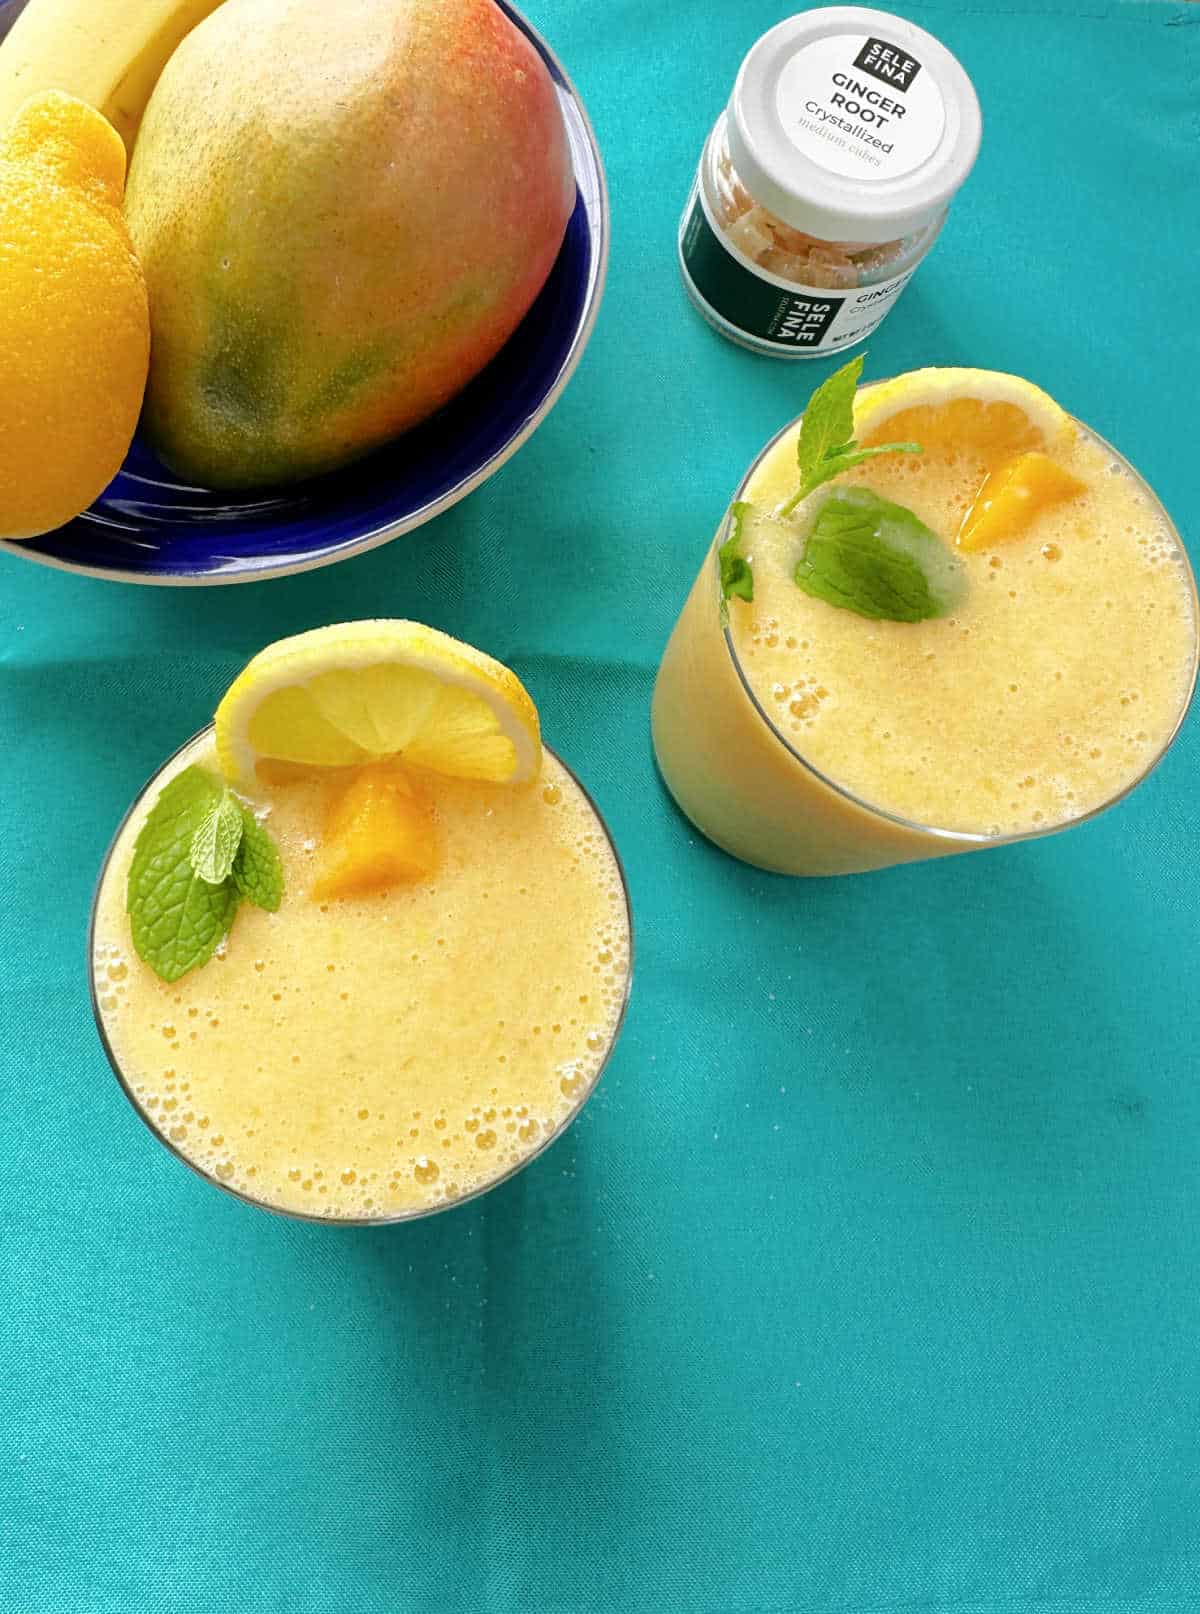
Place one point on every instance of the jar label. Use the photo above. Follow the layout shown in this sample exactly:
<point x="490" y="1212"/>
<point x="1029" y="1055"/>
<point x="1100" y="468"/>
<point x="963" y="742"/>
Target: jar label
<point x="795" y="319"/>
<point x="860" y="107"/>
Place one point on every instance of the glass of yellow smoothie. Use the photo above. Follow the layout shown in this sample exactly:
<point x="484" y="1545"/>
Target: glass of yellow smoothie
<point x="404" y="980"/>
<point x="952" y="618"/>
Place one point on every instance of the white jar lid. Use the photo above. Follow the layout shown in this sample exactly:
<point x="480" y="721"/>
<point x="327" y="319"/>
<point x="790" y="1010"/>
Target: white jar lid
<point x="852" y="125"/>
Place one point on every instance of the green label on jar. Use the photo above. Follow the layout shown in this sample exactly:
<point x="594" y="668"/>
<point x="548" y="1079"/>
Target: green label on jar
<point x="794" y="318"/>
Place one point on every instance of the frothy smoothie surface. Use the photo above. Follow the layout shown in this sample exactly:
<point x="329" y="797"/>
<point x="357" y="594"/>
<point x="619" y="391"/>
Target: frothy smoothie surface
<point x="389" y="1053"/>
<point x="1050" y="689"/>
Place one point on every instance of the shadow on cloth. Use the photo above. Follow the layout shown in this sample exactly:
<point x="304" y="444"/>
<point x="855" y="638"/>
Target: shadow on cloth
<point x="516" y="1326"/>
<point x="1048" y="1081"/>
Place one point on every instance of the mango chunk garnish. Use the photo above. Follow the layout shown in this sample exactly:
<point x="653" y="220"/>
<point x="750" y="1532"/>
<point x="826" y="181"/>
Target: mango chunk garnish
<point x="378" y="833"/>
<point x="1012" y="495"/>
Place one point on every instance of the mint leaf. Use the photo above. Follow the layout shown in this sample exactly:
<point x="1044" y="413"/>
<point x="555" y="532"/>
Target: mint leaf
<point x="876" y="558"/>
<point x="176" y="918"/>
<point x="827" y="429"/>
<point x="217" y="838"/>
<point x="736" y="576"/>
<point x="826" y="446"/>
<point x="257" y="871"/>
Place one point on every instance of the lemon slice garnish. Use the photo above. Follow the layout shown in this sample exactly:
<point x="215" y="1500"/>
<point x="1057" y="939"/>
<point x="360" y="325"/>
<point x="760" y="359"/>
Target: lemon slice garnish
<point x="357" y="692"/>
<point x="972" y="416"/>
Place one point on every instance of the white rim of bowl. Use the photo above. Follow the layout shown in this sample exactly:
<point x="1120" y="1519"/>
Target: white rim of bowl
<point x="396" y="529"/>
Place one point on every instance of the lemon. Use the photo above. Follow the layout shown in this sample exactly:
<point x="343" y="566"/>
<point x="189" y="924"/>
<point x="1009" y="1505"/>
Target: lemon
<point x="74" y="325"/>
<point x="357" y="692"/>
<point x="981" y="415"/>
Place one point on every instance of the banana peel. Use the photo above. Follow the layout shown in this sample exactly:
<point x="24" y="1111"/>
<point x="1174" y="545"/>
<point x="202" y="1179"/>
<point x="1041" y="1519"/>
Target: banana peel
<point x="108" y="53"/>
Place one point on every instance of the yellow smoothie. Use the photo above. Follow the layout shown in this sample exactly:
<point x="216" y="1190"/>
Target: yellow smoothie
<point x="378" y="1056"/>
<point x="811" y="740"/>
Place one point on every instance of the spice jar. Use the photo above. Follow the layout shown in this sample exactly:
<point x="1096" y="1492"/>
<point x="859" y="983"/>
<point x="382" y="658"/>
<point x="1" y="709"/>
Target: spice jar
<point x="826" y="180"/>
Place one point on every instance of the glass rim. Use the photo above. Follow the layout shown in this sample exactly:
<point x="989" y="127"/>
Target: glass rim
<point x="386" y="1219"/>
<point x="934" y="831"/>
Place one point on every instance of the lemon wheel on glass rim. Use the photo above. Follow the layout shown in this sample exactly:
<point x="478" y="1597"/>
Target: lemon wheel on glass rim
<point x="358" y="692"/>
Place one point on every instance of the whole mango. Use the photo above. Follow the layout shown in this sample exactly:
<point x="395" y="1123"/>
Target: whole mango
<point x="343" y="212"/>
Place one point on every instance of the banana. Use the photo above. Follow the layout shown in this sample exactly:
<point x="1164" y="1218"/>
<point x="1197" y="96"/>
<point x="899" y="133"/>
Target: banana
<point x="106" y="52"/>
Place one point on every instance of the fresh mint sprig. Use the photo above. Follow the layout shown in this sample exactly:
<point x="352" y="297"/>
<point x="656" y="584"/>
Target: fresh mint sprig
<point x="826" y="445"/>
<point x="199" y="852"/>
<point x="257" y="871"/>
<point x="736" y="576"/>
<point x="217" y="838"/>
<point x="875" y="558"/>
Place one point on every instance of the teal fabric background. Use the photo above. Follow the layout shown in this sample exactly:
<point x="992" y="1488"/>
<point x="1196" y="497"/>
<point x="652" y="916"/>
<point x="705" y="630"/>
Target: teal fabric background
<point x="870" y="1278"/>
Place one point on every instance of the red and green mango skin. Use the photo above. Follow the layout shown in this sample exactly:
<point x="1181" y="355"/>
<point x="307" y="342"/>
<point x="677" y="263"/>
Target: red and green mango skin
<point x="343" y="211"/>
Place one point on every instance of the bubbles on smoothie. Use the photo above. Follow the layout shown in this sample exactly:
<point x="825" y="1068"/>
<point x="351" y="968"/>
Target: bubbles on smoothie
<point x="570" y="1081"/>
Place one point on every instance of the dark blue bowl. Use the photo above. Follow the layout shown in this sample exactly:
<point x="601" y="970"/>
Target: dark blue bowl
<point x="148" y="527"/>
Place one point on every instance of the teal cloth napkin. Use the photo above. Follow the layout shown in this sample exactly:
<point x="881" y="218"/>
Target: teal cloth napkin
<point x="870" y="1279"/>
